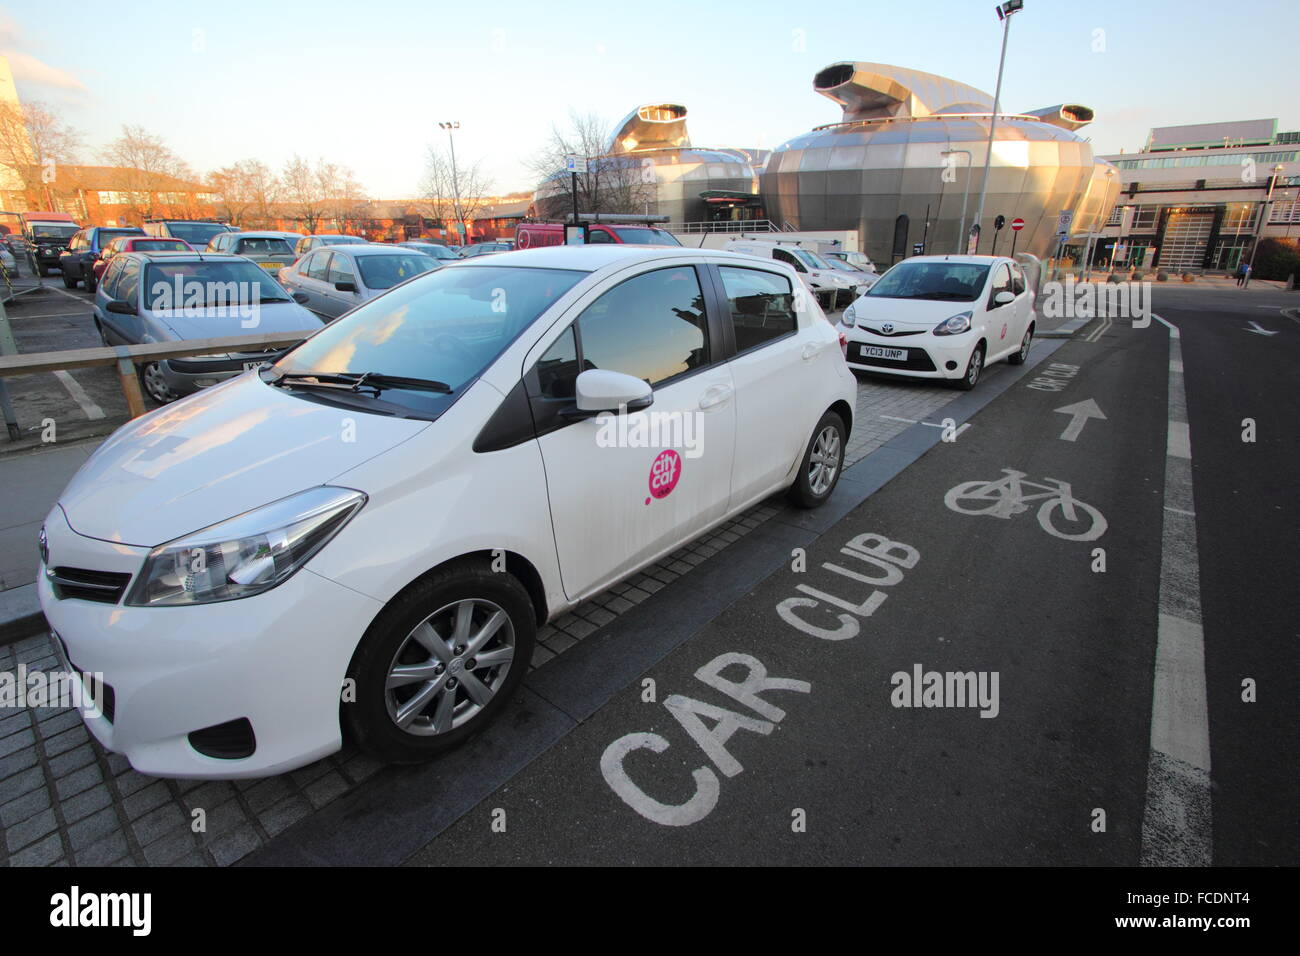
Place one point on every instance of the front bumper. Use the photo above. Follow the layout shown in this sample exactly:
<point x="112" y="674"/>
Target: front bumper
<point x="277" y="660"/>
<point x="928" y="356"/>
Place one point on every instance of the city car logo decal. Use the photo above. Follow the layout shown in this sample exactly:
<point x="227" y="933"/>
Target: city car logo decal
<point x="664" y="472"/>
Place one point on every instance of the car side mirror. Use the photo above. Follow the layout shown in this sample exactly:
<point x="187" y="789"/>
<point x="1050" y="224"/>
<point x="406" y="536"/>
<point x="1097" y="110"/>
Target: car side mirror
<point x="121" y="307"/>
<point x="346" y="286"/>
<point x="1003" y="298"/>
<point x="301" y="298"/>
<point x="601" y="390"/>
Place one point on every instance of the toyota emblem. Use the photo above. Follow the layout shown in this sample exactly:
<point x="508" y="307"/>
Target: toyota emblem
<point x="887" y="328"/>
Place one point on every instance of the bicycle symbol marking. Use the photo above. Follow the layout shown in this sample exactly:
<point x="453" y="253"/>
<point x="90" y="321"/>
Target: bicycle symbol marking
<point x="1005" y="497"/>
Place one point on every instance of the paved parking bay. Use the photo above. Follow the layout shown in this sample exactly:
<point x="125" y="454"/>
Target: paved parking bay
<point x="63" y="799"/>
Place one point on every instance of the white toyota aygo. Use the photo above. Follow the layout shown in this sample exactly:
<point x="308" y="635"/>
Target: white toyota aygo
<point x="364" y="536"/>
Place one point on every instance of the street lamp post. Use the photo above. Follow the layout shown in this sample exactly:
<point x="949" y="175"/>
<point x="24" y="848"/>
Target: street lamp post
<point x="961" y="235"/>
<point x="1263" y="221"/>
<point x="1005" y="10"/>
<point x="450" y="126"/>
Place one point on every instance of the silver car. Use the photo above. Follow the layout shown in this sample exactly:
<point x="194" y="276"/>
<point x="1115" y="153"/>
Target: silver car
<point x="174" y="296"/>
<point x="336" y="279"/>
<point x="307" y="243"/>
<point x="270" y="250"/>
<point x="441" y="253"/>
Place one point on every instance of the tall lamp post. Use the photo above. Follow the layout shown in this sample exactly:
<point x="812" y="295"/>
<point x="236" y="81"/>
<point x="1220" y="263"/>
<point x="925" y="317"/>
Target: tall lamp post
<point x="451" y="126"/>
<point x="1005" y="10"/>
<point x="961" y="235"/>
<point x="1263" y="221"/>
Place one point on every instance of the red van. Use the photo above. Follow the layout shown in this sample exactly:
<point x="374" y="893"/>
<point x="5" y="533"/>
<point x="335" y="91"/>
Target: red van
<point x="534" y="235"/>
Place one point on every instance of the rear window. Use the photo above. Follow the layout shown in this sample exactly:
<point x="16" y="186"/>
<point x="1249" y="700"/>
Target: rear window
<point x="158" y="245"/>
<point x="262" y="246"/>
<point x="197" y="234"/>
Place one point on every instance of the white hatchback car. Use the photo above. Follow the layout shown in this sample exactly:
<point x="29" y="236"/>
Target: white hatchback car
<point x="944" y="317"/>
<point x="366" y="535"/>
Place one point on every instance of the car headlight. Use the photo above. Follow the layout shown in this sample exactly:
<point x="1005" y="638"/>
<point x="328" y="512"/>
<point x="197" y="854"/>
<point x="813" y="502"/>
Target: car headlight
<point x="247" y="554"/>
<point x="955" y="325"/>
<point x="850" y="316"/>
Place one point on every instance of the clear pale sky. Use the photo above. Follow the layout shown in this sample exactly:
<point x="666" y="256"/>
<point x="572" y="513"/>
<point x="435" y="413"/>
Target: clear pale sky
<point x="364" y="84"/>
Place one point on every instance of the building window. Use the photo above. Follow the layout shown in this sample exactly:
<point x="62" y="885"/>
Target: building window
<point x="1238" y="217"/>
<point x="1145" y="217"/>
<point x="1285" y="212"/>
<point x="1116" y="216"/>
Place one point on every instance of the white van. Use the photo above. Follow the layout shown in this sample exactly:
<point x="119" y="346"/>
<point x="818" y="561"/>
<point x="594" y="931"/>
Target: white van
<point x="833" y="289"/>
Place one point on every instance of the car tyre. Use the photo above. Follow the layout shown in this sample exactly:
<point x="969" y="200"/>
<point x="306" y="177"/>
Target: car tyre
<point x="420" y="631"/>
<point x="68" y="281"/>
<point x="91" y="283"/>
<point x="822" y="463"/>
<point x="155" y="385"/>
<point x="974" y="369"/>
<point x="1019" y="357"/>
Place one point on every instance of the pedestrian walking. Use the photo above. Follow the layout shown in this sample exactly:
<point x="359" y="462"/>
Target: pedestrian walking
<point x="1243" y="272"/>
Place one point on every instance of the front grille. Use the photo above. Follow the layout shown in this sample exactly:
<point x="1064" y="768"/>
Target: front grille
<point x="918" y="360"/>
<point x="892" y="334"/>
<point x="232" y="740"/>
<point x="103" y="587"/>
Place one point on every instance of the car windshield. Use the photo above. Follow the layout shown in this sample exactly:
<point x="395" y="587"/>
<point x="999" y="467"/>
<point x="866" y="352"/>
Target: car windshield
<point x="386" y="271"/>
<point x="194" y="284"/>
<point x="197" y="234"/>
<point x="810" y="259"/>
<point x="338" y="240"/>
<point x="946" y="281"/>
<point x="646" y="237"/>
<point x="447" y="326"/>
<point x="262" y="246"/>
<point x="45" y="231"/>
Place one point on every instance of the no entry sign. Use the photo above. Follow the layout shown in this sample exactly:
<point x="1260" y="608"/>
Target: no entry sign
<point x="1017" y="224"/>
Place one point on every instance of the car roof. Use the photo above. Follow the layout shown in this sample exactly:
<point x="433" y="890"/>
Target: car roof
<point x="158" y="256"/>
<point x="966" y="260"/>
<point x="369" y="249"/>
<point x="259" y="234"/>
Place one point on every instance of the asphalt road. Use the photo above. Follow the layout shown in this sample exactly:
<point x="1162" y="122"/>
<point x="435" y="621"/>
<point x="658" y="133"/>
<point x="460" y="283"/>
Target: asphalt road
<point x="834" y="769"/>
<point x="1248" y="519"/>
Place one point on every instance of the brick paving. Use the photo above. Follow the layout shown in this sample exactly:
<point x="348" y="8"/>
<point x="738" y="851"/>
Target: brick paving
<point x="64" y="800"/>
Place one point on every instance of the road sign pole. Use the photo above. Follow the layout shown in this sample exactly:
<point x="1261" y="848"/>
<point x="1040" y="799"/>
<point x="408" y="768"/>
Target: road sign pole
<point x="7" y="347"/>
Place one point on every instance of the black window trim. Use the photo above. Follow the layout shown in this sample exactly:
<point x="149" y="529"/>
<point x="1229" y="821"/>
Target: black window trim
<point x="723" y="307"/>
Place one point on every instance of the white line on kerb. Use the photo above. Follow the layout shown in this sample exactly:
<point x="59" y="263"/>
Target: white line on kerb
<point x="79" y="395"/>
<point x="1176" y="819"/>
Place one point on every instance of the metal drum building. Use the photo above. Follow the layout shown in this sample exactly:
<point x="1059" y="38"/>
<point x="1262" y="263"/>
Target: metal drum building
<point x="882" y="170"/>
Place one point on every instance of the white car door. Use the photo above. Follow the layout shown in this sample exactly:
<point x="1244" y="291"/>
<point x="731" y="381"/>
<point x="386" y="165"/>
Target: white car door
<point x="1003" y="321"/>
<point x="625" y="489"/>
<point x="770" y="428"/>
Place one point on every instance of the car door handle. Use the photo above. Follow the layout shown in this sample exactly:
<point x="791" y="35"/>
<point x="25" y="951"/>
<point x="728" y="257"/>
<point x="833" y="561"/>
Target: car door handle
<point x="715" y="395"/>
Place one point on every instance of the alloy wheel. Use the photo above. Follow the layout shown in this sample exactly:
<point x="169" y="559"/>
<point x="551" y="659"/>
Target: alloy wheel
<point x="824" y="462"/>
<point x="449" y="667"/>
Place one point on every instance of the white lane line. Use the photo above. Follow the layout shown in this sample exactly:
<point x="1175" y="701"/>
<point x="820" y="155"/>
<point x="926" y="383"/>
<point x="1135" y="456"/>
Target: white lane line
<point x="79" y="395"/>
<point x="895" y="418"/>
<point x="1176" y="818"/>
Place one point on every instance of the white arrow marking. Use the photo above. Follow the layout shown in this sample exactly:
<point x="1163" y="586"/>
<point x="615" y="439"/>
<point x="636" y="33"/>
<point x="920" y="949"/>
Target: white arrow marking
<point x="1079" y="414"/>
<point x="1259" y="331"/>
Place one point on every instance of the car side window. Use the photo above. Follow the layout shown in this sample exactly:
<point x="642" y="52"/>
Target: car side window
<point x="315" y="266"/>
<point x="1001" y="283"/>
<point x="652" y="326"/>
<point x="596" y="236"/>
<point x="1017" y="280"/>
<point x="109" y="281"/>
<point x="780" y="255"/>
<point x="557" y="369"/>
<point x="761" y="305"/>
<point x="340" y="269"/>
<point x="128" y="281"/>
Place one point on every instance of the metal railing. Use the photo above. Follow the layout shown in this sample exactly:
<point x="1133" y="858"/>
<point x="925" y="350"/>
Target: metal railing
<point x="729" y="225"/>
<point x="125" y="358"/>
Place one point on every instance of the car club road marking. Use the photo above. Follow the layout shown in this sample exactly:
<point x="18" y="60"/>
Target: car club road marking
<point x="1079" y="414"/>
<point x="1176" y="818"/>
<point x="878" y="562"/>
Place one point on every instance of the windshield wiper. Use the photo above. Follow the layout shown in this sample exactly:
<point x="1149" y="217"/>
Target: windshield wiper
<point x="354" y="382"/>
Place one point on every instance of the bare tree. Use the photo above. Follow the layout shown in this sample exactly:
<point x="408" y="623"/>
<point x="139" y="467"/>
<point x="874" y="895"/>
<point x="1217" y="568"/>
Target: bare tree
<point x="304" y="190"/>
<point x="145" y="167"/>
<point x="345" y="197"/>
<point x="245" y="192"/>
<point x="33" y="143"/>
<point x="454" y="191"/>
<point x="618" y="183"/>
